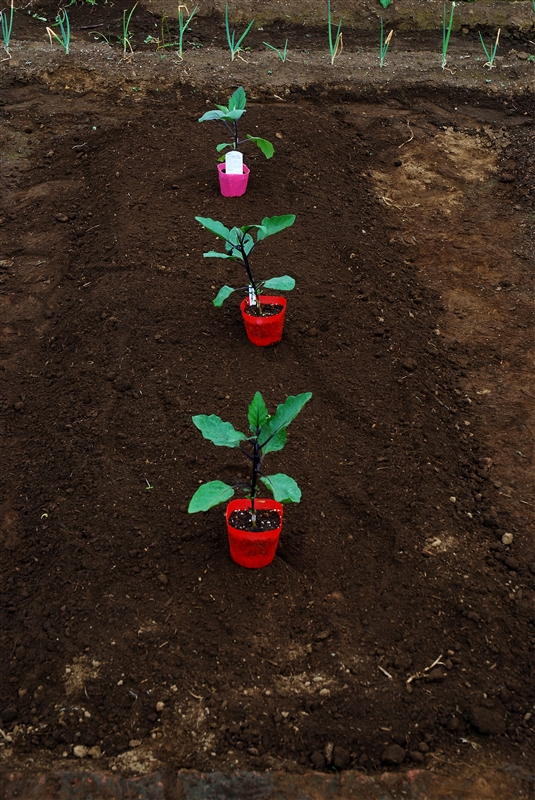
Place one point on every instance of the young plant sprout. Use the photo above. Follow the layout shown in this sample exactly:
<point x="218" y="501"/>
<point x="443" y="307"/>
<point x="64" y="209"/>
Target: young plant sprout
<point x="268" y="434"/>
<point x="126" y="35"/>
<point x="446" y="33"/>
<point x="7" y="26"/>
<point x="385" y="3"/>
<point x="183" y="25"/>
<point x="64" y="36"/>
<point x="239" y="245"/>
<point x="492" y="54"/>
<point x="336" y="45"/>
<point x="281" y="53"/>
<point x="233" y="45"/>
<point x="229" y="116"/>
<point x="384" y="45"/>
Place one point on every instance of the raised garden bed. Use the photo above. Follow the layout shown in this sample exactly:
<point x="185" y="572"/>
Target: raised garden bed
<point x="395" y="626"/>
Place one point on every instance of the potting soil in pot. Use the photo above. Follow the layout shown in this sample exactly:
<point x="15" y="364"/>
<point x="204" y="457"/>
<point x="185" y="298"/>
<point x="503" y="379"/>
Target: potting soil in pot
<point x="268" y="310"/>
<point x="266" y="520"/>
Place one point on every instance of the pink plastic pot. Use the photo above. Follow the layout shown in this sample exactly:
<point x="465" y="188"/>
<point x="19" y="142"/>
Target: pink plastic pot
<point x="232" y="185"/>
<point x="263" y="331"/>
<point x="253" y="550"/>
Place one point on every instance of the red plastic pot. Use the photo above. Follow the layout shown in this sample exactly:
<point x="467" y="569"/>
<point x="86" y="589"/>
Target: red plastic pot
<point x="232" y="185"/>
<point x="264" y="331"/>
<point x="253" y="550"/>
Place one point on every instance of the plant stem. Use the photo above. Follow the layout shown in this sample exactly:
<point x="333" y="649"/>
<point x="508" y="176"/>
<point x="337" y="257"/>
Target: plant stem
<point x="252" y="281"/>
<point x="257" y="460"/>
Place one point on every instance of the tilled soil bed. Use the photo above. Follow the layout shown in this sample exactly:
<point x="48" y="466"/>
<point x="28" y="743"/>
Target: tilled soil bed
<point x="397" y="622"/>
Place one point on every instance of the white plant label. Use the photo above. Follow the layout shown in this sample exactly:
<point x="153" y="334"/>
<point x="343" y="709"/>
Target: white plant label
<point x="252" y="296"/>
<point x="234" y="163"/>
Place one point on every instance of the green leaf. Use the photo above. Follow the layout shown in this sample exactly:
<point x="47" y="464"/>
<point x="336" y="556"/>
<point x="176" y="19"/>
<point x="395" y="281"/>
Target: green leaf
<point x="217" y="254"/>
<point x="235" y="236"/>
<point x="276" y="443"/>
<point x="282" y="284"/>
<point x="222" y="295"/>
<point x="209" y="495"/>
<point x="222" y="434"/>
<point x="223" y="146"/>
<point x="271" y="225"/>
<point x="284" y="488"/>
<point x="257" y="414"/>
<point x="238" y="98"/>
<point x="211" y="115"/>
<point x="214" y="227"/>
<point x="286" y="412"/>
<point x="233" y="115"/>
<point x="386" y="3"/>
<point x="265" y="146"/>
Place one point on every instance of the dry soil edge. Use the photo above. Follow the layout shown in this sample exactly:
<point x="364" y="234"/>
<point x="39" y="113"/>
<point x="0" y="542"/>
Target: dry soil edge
<point x="402" y="14"/>
<point x="507" y="783"/>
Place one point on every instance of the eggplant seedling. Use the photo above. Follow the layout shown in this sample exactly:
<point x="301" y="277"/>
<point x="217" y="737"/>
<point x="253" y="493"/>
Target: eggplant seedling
<point x="268" y="434"/>
<point x="239" y="244"/>
<point x="229" y="116"/>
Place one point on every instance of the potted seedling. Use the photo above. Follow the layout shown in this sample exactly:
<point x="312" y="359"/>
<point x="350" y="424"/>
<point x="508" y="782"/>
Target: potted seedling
<point x="254" y="523"/>
<point x="233" y="174"/>
<point x="263" y="315"/>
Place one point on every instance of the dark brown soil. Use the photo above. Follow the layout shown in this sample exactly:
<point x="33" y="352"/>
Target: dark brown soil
<point x="395" y="625"/>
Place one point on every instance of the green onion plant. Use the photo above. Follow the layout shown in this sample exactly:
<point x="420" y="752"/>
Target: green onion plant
<point x="446" y="32"/>
<point x="233" y="45"/>
<point x="384" y="44"/>
<point x="281" y="53"/>
<point x="183" y="25"/>
<point x="7" y="25"/>
<point x="491" y="55"/>
<point x="64" y="35"/>
<point x="126" y="36"/>
<point x="335" y="45"/>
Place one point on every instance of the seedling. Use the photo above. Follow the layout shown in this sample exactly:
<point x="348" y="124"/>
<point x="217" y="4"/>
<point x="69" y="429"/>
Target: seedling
<point x="183" y="25"/>
<point x="229" y="116"/>
<point x="385" y="3"/>
<point x="64" y="35"/>
<point x="268" y="434"/>
<point x="233" y="45"/>
<point x="281" y="53"/>
<point x="335" y="45"/>
<point x="239" y="245"/>
<point x="446" y="32"/>
<point x="126" y="37"/>
<point x="7" y="26"/>
<point x="492" y="54"/>
<point x="384" y="44"/>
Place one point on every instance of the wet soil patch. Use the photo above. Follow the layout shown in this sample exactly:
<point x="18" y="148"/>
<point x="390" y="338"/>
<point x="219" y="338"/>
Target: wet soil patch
<point x="396" y="624"/>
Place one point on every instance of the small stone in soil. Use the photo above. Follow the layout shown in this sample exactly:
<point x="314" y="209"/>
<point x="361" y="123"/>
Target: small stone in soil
<point x="394" y="755"/>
